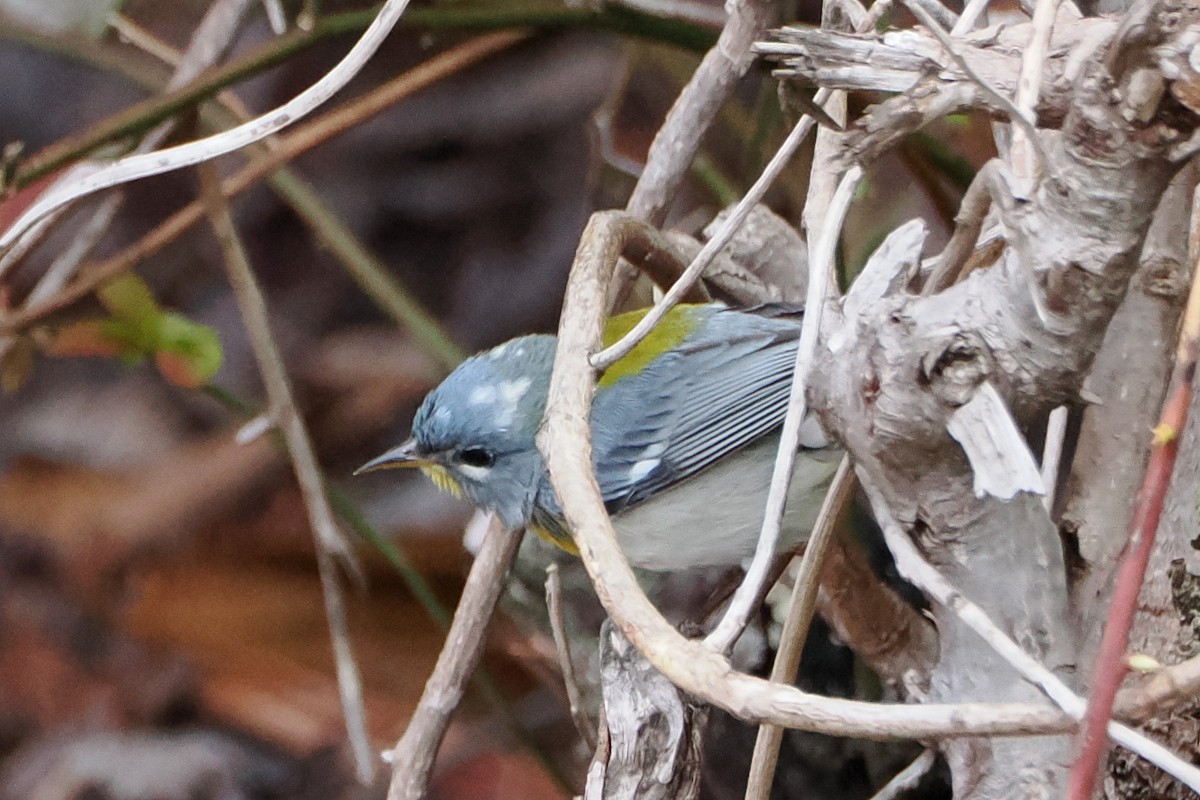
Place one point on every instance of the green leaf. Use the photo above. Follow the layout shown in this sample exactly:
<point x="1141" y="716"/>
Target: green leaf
<point x="128" y="298"/>
<point x="188" y="353"/>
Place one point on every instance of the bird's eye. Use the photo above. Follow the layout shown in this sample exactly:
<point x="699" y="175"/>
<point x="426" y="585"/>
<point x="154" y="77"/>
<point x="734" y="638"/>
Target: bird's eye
<point x="476" y="457"/>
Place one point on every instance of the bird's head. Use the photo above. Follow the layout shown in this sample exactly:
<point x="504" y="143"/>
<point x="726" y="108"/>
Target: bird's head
<point x="474" y="434"/>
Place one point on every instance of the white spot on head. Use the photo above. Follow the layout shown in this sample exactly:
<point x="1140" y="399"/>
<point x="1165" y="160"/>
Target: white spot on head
<point x="482" y="396"/>
<point x="510" y="395"/>
<point x="442" y="414"/>
<point x="643" y="468"/>
<point x="499" y="351"/>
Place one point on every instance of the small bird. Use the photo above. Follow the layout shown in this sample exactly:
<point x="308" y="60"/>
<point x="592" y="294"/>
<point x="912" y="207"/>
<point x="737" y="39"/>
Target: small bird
<point x="684" y="433"/>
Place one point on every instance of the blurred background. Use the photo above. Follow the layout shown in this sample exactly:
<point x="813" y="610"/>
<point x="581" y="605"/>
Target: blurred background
<point x="161" y="624"/>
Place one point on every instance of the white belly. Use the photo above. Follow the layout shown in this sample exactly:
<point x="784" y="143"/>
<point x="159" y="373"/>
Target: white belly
<point x="715" y="517"/>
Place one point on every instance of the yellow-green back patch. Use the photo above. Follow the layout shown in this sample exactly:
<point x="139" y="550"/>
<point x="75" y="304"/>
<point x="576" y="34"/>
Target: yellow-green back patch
<point x="667" y="335"/>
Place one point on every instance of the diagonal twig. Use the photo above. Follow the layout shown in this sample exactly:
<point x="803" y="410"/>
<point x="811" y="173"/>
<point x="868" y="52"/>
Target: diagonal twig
<point x="144" y="165"/>
<point x="412" y="757"/>
<point x="562" y="647"/>
<point x="610" y="355"/>
<point x="913" y="566"/>
<point x="330" y="541"/>
<point x="795" y="627"/>
<point x="742" y="605"/>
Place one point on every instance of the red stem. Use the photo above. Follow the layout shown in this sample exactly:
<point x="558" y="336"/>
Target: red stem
<point x="1111" y="665"/>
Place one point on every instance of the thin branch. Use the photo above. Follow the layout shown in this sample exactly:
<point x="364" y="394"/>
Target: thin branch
<point x="1178" y="683"/>
<point x="1017" y="117"/>
<point x="1110" y="666"/>
<point x="907" y="778"/>
<point x="968" y="224"/>
<point x="711" y="249"/>
<point x="821" y="271"/>
<point x="1025" y="139"/>
<point x="969" y="17"/>
<point x="694" y="110"/>
<point x="678" y="139"/>
<point x="144" y="165"/>
<point x="330" y="541"/>
<point x="562" y="647"/>
<point x="795" y="627"/>
<point x="1056" y="434"/>
<point x="412" y="757"/>
<point x="913" y="566"/>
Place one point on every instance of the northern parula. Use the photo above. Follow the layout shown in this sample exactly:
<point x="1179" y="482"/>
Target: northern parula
<point x="684" y="432"/>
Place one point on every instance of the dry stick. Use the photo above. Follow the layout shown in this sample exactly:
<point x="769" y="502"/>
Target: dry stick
<point x="678" y="140"/>
<point x="969" y="17"/>
<point x="694" y="110"/>
<point x="184" y="155"/>
<point x="743" y="603"/>
<point x="989" y="91"/>
<point x="562" y="647"/>
<point x="564" y="441"/>
<point x="795" y="627"/>
<point x="329" y="540"/>
<point x="1024" y="170"/>
<point x="1029" y="80"/>
<point x="290" y="145"/>
<point x="1056" y="435"/>
<point x="968" y="224"/>
<point x="412" y="757"/>
<point x="907" y="778"/>
<point x="913" y="566"/>
<point x="607" y="357"/>
<point x="1110" y="666"/>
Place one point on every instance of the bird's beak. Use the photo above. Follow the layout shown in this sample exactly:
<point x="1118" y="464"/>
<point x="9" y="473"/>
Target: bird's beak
<point x="401" y="457"/>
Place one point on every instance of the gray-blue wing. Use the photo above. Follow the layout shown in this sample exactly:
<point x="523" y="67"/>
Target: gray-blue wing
<point x="719" y="391"/>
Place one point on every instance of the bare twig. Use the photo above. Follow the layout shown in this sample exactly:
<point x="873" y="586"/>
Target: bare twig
<point x="969" y="17"/>
<point x="1056" y="434"/>
<point x="907" y="778"/>
<point x="968" y="224"/>
<point x="913" y="566"/>
<point x="694" y="110"/>
<point x="821" y="267"/>
<point x="677" y="141"/>
<point x="1110" y="664"/>
<point x="275" y="16"/>
<point x="1178" y="683"/>
<point x="330" y="541"/>
<point x="562" y="646"/>
<point x="795" y="627"/>
<point x="143" y="165"/>
<point x="412" y="757"/>
<point x="686" y="10"/>
<point x="1017" y="117"/>
<point x="1025" y="141"/>
<point x="712" y="247"/>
